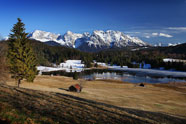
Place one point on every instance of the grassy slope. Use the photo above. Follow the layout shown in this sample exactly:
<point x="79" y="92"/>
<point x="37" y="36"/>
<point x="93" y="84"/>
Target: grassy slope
<point x="31" y="106"/>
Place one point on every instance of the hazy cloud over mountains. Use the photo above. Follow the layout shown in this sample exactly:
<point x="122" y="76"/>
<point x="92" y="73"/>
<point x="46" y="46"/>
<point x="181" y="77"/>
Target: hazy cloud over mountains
<point x="150" y="35"/>
<point x="158" y="35"/>
<point x="177" y="28"/>
<point x="165" y="35"/>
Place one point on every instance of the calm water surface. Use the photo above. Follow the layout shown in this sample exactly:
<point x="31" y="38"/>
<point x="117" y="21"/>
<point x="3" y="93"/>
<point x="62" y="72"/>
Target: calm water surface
<point x="95" y="74"/>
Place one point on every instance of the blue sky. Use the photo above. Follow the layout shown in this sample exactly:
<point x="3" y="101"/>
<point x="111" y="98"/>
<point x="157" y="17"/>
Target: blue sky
<point x="152" y="20"/>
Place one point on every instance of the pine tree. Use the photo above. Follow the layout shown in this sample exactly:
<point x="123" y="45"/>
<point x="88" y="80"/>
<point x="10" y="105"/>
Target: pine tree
<point x="22" y="61"/>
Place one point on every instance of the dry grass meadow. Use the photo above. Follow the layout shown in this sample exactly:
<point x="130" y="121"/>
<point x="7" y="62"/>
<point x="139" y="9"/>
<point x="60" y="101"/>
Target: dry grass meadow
<point x="101" y="101"/>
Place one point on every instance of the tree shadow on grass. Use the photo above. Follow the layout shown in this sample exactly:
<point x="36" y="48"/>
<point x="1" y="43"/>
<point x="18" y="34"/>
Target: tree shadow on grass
<point x="64" y="89"/>
<point x="66" y="108"/>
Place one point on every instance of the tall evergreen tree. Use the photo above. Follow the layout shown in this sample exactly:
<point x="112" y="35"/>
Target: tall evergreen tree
<point x="22" y="61"/>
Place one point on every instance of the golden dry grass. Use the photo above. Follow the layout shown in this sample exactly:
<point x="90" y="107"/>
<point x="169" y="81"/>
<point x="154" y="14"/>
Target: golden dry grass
<point x="156" y="98"/>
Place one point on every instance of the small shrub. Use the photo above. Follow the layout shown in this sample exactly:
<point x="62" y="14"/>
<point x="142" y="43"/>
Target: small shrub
<point x="96" y="65"/>
<point x="75" y="76"/>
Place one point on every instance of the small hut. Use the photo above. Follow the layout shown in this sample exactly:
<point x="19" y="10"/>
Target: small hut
<point x="75" y="88"/>
<point x="141" y="84"/>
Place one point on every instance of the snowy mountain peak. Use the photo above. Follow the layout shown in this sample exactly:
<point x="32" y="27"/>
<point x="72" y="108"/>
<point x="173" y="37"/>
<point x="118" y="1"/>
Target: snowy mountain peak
<point x="70" y="38"/>
<point x="112" y="38"/>
<point x="86" y="34"/>
<point x="44" y="36"/>
<point x="98" y="32"/>
<point x="69" y="32"/>
<point x="98" y="39"/>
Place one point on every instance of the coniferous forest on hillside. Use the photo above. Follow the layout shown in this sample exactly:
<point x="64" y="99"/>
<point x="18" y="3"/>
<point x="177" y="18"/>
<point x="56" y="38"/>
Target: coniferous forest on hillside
<point x="47" y="55"/>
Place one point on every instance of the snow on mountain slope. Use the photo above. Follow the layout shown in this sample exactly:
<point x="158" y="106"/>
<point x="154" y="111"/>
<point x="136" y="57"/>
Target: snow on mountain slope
<point x="98" y="39"/>
<point x="67" y="39"/>
<point x="70" y="39"/>
<point x="44" y="36"/>
<point x="112" y="38"/>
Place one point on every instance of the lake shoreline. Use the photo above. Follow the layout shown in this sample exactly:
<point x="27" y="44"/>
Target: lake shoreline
<point x="133" y="75"/>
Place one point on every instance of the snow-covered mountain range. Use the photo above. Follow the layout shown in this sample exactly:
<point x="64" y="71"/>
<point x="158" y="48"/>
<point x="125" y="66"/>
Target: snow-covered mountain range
<point x="98" y="39"/>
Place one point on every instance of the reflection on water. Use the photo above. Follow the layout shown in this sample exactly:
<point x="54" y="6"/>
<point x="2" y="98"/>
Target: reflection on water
<point x="130" y="78"/>
<point x="118" y="75"/>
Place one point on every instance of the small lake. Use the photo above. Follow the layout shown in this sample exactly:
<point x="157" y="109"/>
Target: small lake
<point x="96" y="74"/>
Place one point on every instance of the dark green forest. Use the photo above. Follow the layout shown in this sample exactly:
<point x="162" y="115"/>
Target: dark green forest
<point x="151" y="55"/>
<point x="148" y="56"/>
<point x="55" y="54"/>
<point x="46" y="55"/>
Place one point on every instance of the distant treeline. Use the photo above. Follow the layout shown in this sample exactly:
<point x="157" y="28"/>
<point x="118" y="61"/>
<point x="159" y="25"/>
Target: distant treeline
<point x="46" y="55"/>
<point x="133" y="59"/>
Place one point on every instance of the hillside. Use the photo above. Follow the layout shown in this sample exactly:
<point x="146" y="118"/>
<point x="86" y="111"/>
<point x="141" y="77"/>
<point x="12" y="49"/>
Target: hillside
<point x="47" y="54"/>
<point x="178" y="51"/>
<point x="48" y="101"/>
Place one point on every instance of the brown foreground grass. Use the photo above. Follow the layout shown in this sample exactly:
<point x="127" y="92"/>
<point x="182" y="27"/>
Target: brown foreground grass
<point x="104" y="101"/>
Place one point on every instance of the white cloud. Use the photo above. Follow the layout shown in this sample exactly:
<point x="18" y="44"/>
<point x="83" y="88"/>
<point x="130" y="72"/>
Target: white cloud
<point x="165" y="35"/>
<point x="177" y="28"/>
<point x="132" y="32"/>
<point x="147" y="36"/>
<point x="155" y="34"/>
<point x="151" y="34"/>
